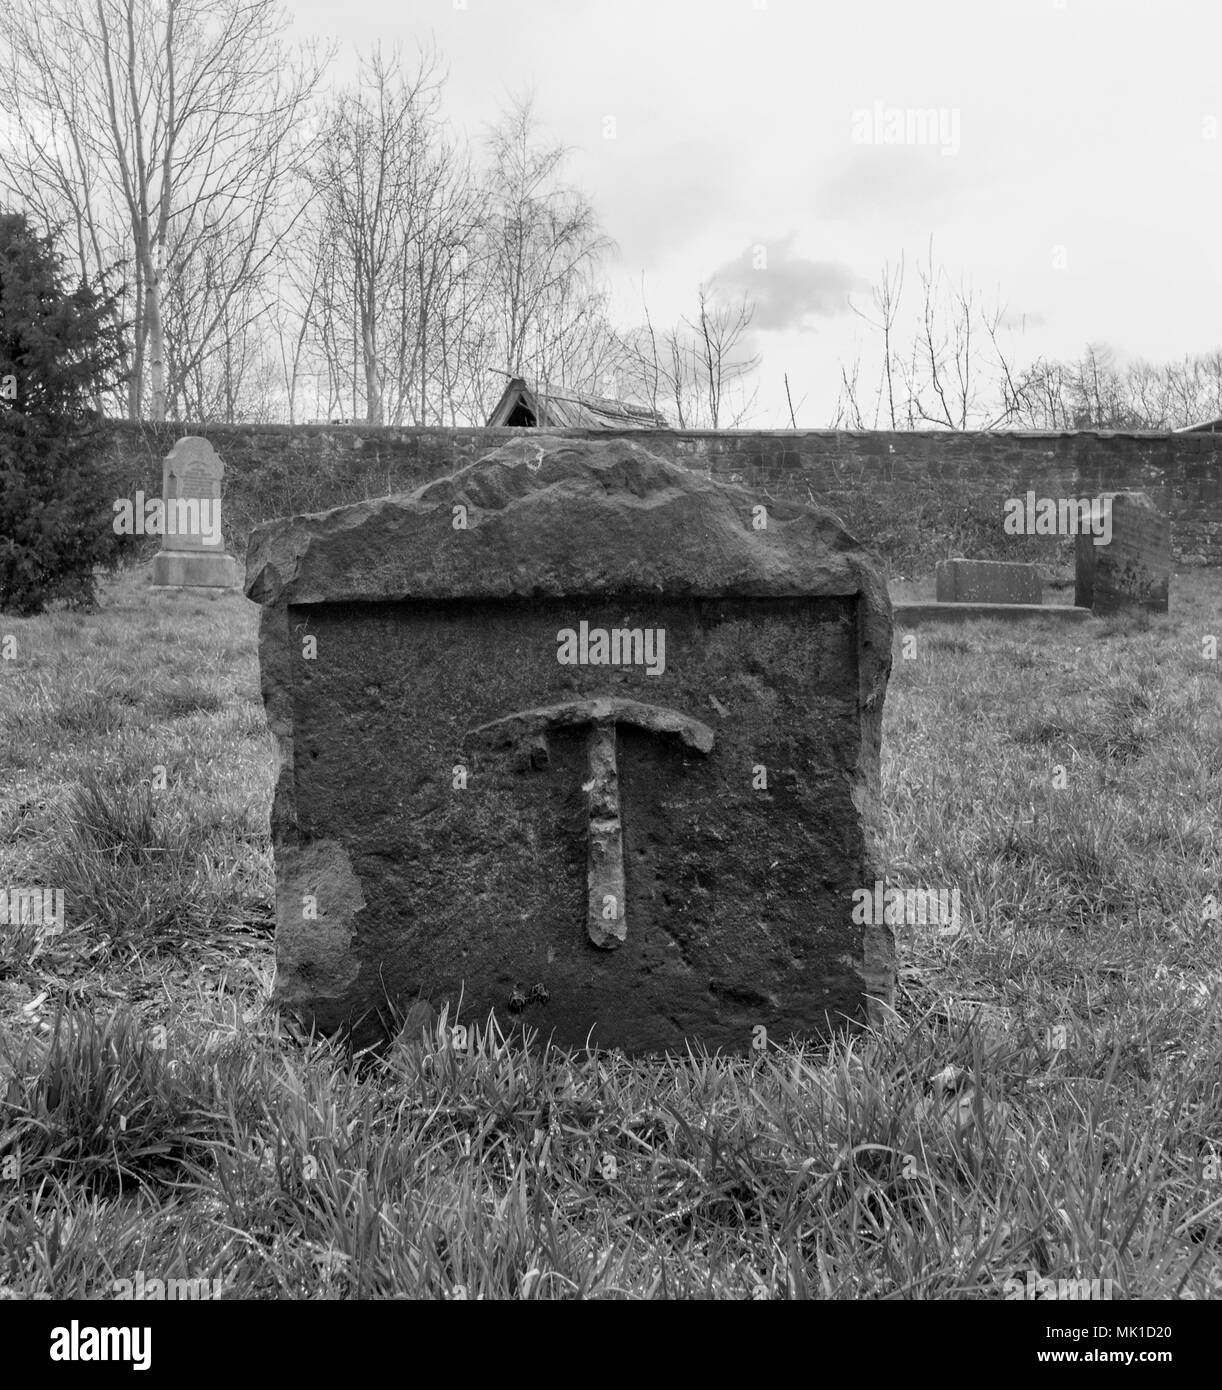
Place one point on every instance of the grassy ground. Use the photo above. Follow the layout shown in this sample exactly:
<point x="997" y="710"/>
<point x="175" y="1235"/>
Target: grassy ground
<point x="1046" y="1100"/>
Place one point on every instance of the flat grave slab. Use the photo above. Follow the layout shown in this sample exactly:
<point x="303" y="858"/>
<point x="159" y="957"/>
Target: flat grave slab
<point x="910" y="614"/>
<point x="987" y="581"/>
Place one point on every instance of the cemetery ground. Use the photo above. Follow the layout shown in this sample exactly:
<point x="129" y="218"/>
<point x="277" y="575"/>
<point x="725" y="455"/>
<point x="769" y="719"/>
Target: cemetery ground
<point x="1046" y="1099"/>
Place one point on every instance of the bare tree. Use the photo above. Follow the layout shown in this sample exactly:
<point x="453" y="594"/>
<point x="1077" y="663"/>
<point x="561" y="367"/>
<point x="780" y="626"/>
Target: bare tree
<point x="720" y="332"/>
<point x="1095" y="392"/>
<point x="956" y="373"/>
<point x="886" y="295"/>
<point x="696" y="372"/>
<point x="442" y="258"/>
<point x="398" y="241"/>
<point x="662" y="371"/>
<point x="149" y="127"/>
<point x="1040" y="397"/>
<point x="227" y="374"/>
<point x="291" y="316"/>
<point x="363" y="179"/>
<point x="847" y="414"/>
<point x="542" y="245"/>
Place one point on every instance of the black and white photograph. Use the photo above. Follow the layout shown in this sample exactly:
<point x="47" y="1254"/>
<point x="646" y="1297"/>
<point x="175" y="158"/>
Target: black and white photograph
<point x="609" y="671"/>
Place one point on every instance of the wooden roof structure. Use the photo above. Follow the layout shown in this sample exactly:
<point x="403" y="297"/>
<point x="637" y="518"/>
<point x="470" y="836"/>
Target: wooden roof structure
<point x="531" y="406"/>
<point x="1205" y="427"/>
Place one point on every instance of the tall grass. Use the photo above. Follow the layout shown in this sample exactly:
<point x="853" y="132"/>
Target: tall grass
<point x="1043" y="1101"/>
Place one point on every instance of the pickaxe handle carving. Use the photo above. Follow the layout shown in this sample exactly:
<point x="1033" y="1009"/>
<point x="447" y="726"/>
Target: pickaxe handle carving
<point x="606" y="921"/>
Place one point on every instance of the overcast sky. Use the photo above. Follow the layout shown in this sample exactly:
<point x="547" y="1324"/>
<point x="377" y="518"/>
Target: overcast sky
<point x="1076" y="172"/>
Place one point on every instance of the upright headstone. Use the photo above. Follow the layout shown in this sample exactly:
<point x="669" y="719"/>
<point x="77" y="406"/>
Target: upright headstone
<point x="192" y="548"/>
<point x="987" y="581"/>
<point x="581" y="737"/>
<point x="1133" y="568"/>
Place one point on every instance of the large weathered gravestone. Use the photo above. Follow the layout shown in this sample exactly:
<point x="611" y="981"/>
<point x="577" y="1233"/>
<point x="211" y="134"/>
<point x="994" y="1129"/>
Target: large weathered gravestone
<point x="583" y="737"/>
<point x="1133" y="570"/>
<point x="192" y="550"/>
<point x="987" y="581"/>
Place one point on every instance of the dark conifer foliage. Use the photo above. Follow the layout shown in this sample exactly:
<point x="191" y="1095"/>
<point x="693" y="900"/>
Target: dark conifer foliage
<point x="58" y="351"/>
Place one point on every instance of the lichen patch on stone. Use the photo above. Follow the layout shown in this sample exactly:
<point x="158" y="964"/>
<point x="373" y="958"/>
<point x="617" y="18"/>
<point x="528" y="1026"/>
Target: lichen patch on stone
<point x="317" y="897"/>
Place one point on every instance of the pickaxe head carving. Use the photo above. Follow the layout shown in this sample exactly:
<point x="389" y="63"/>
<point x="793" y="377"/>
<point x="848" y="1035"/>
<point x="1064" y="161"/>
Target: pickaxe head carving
<point x="606" y="922"/>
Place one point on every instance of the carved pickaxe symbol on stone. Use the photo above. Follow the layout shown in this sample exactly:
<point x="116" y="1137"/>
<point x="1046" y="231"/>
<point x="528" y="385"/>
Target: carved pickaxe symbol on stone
<point x="606" y="922"/>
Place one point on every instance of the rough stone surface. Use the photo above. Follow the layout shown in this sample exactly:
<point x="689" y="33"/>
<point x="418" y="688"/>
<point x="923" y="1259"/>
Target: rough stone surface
<point x="901" y="481"/>
<point x="987" y="581"/>
<point x="191" y="476"/>
<point x="1134" y="569"/>
<point x="453" y="801"/>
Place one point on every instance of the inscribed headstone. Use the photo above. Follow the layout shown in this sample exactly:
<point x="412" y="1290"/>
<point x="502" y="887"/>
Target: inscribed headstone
<point x="192" y="547"/>
<point x="1133" y="570"/>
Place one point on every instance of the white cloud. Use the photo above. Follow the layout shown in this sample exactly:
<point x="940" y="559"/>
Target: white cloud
<point x="787" y="289"/>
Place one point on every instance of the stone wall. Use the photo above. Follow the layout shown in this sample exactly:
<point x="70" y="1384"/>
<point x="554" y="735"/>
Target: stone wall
<point x="914" y="497"/>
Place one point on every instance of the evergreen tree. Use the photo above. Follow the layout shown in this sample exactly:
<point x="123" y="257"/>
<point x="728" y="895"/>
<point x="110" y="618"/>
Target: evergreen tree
<point x="59" y="350"/>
